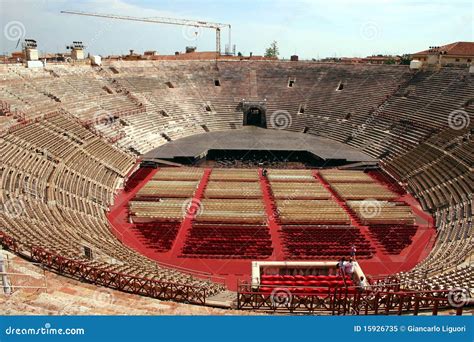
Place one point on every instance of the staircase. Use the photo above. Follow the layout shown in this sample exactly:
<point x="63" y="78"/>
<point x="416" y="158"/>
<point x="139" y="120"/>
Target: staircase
<point x="271" y="211"/>
<point x="192" y="211"/>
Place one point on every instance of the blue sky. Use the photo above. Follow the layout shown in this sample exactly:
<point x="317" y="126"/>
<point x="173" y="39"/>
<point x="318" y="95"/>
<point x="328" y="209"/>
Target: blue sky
<point x="309" y="28"/>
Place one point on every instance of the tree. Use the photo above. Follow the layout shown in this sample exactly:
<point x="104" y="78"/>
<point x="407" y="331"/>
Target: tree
<point x="405" y="60"/>
<point x="272" y="51"/>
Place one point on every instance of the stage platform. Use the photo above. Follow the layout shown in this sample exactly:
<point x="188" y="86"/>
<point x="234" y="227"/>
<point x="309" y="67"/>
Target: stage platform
<point x="256" y="139"/>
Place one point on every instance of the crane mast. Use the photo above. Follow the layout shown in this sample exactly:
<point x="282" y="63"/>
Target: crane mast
<point x="163" y="20"/>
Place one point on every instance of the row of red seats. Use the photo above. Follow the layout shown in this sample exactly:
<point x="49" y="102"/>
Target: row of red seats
<point x="393" y="238"/>
<point x="228" y="241"/>
<point x="322" y="241"/>
<point x="319" y="291"/>
<point x="330" y="251"/>
<point x="299" y="277"/>
<point x="227" y="251"/>
<point x="210" y="230"/>
<point x="327" y="240"/>
<point x="315" y="283"/>
<point x="137" y="178"/>
<point x="158" y="235"/>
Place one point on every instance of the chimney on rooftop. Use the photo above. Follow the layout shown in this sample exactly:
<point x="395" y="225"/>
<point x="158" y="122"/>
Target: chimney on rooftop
<point x="190" y="49"/>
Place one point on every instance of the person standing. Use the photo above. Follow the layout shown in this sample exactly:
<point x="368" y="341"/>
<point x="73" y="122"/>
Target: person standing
<point x="340" y="266"/>
<point x="353" y="251"/>
<point x="349" y="268"/>
<point x="361" y="284"/>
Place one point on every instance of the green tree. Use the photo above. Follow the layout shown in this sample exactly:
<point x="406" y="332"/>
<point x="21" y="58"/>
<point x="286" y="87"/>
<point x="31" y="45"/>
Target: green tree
<point x="272" y="51"/>
<point x="405" y="59"/>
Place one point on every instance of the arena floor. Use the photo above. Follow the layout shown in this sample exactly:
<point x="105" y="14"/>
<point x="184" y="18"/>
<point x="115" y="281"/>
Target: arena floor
<point x="233" y="270"/>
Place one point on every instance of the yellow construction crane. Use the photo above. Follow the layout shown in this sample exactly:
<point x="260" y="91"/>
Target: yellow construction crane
<point x="171" y="21"/>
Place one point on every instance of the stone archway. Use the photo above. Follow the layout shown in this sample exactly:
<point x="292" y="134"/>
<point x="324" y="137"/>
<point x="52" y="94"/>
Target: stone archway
<point x="254" y="114"/>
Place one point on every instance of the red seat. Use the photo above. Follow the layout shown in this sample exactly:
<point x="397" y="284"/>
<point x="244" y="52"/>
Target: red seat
<point x="310" y="290"/>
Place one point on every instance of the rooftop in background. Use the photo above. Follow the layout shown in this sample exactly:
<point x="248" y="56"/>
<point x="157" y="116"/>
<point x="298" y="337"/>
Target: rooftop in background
<point x="202" y="55"/>
<point x="453" y="49"/>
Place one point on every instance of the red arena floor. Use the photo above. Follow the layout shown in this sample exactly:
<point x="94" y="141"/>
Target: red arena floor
<point x="165" y="242"/>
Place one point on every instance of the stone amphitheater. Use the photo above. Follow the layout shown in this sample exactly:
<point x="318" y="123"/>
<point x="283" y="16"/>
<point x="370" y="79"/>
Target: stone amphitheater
<point x="73" y="139"/>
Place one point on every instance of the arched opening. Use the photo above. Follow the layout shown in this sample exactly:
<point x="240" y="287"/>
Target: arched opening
<point x="255" y="116"/>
